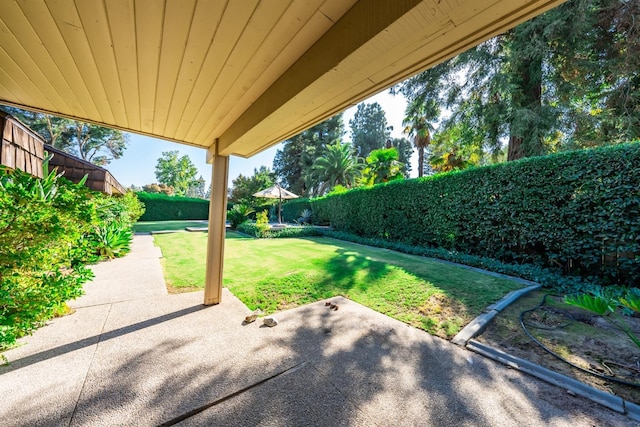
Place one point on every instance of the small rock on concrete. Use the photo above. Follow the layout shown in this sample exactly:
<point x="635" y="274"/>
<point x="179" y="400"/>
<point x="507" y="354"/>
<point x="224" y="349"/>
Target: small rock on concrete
<point x="270" y="321"/>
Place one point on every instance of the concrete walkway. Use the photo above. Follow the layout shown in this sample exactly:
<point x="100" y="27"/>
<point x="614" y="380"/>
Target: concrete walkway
<point x="132" y="355"/>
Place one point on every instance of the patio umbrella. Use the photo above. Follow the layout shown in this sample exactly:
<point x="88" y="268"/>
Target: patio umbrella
<point x="276" y="192"/>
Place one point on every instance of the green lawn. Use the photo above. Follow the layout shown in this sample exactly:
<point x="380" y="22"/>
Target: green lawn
<point x="149" y="226"/>
<point x="276" y="274"/>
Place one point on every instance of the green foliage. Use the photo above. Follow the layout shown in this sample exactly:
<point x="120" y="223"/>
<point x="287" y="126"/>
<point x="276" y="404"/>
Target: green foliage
<point x="369" y="129"/>
<point x="249" y="228"/>
<point x="291" y="208"/>
<point x="336" y="166"/>
<point x="158" y="188"/>
<point x="112" y="239"/>
<point x="50" y="229"/>
<point x="306" y="217"/>
<point x="405" y="151"/>
<point x="43" y="246"/>
<point x="294" y="162"/>
<point x="238" y="214"/>
<point x="382" y="166"/>
<point x="160" y="207"/>
<point x="124" y="209"/>
<point x="96" y="144"/>
<point x="177" y="172"/>
<point x="576" y="212"/>
<point x="262" y="223"/>
<point x="566" y="79"/>
<point x="592" y="303"/>
<point x="605" y="302"/>
<point x="243" y="188"/>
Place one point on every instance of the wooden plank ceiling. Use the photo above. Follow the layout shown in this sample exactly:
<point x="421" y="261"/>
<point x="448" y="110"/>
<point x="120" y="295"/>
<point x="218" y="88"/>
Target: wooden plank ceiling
<point x="246" y="74"/>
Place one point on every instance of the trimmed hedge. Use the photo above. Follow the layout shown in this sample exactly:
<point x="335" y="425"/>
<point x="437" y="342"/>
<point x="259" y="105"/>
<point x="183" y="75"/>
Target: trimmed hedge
<point x="578" y="212"/>
<point x="291" y="209"/>
<point x="160" y="207"/>
<point x="251" y="229"/>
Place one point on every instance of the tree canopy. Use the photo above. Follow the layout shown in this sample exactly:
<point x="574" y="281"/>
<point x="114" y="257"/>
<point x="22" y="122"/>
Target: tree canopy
<point x="96" y="144"/>
<point x="569" y="78"/>
<point x="369" y="130"/>
<point x="293" y="164"/>
<point x="177" y="172"/>
<point x="244" y="187"/>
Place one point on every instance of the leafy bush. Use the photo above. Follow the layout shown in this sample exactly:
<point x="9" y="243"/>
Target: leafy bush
<point x="160" y="207"/>
<point x="50" y="229"/>
<point x="112" y="239"/>
<point x="249" y="228"/>
<point x="306" y="217"/>
<point x="43" y="248"/>
<point x="262" y="223"/>
<point x="606" y="302"/>
<point x="575" y="212"/>
<point x="239" y="214"/>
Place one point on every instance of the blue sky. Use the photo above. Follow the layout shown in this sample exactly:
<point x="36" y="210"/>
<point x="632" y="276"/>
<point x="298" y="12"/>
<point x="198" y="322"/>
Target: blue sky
<point x="137" y="166"/>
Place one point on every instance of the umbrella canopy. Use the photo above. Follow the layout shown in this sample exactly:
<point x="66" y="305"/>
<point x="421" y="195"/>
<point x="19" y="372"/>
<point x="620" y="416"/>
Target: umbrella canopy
<point x="276" y="192"/>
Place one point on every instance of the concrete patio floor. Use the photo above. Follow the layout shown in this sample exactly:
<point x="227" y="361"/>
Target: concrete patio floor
<point x="133" y="355"/>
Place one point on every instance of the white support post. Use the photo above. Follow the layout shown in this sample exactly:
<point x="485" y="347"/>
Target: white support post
<point x="217" y="229"/>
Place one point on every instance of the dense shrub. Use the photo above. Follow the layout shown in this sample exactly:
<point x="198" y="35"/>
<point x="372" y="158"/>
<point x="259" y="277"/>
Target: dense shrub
<point x="292" y="209"/>
<point x="251" y="229"/>
<point x="238" y="214"/>
<point x="50" y="229"/>
<point x="578" y="212"/>
<point x="160" y="207"/>
<point x="43" y="247"/>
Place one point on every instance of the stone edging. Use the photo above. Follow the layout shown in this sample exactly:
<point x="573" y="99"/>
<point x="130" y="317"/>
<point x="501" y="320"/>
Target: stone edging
<point x="612" y="402"/>
<point x="477" y="325"/>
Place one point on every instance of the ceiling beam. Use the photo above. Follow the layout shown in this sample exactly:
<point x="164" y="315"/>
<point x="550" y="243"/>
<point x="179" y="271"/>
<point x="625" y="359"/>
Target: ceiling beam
<point x="359" y="25"/>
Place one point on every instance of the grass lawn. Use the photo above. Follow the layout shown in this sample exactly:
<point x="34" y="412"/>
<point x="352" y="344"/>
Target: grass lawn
<point x="149" y="226"/>
<point x="276" y="274"/>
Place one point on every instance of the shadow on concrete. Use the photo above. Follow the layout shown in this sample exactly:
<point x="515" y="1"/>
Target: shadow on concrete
<point x="319" y="367"/>
<point x="86" y="342"/>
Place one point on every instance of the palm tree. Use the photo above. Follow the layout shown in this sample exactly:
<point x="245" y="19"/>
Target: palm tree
<point x="336" y="165"/>
<point x="416" y="122"/>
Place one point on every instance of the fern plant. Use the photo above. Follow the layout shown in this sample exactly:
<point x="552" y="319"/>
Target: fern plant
<point x="605" y="302"/>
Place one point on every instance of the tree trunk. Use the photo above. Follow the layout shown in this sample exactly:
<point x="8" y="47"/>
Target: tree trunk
<point x="420" y="161"/>
<point x="515" y="151"/>
<point x="526" y="128"/>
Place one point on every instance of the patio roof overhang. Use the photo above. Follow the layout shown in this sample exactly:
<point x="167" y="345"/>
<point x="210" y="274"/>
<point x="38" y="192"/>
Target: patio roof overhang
<point x="234" y="76"/>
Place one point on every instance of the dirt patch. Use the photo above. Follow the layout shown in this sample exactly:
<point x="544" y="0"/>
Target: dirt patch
<point x="576" y="335"/>
<point x="442" y="315"/>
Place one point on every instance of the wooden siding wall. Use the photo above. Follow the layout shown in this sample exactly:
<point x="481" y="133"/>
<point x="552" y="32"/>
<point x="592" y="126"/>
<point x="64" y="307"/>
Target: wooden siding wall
<point x="20" y="148"/>
<point x="75" y="169"/>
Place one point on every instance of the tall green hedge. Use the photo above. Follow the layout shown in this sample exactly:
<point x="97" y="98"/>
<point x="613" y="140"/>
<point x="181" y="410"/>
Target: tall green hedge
<point x="575" y="211"/>
<point x="160" y="207"/>
<point x="291" y="209"/>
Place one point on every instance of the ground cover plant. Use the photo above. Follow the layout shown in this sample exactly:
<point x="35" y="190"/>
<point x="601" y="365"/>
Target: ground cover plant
<point x="276" y="274"/>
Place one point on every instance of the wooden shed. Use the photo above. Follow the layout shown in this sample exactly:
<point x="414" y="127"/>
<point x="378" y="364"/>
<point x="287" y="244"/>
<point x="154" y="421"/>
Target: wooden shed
<point x="21" y="147"/>
<point x="74" y="168"/>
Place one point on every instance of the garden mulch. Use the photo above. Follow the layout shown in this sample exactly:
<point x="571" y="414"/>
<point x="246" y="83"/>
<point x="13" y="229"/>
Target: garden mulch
<point x="133" y="355"/>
